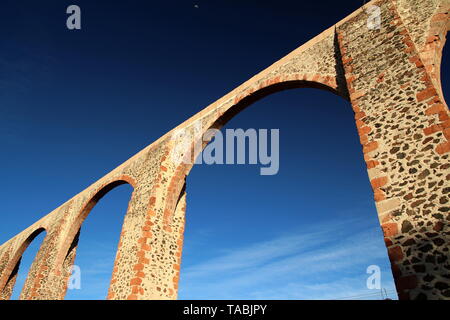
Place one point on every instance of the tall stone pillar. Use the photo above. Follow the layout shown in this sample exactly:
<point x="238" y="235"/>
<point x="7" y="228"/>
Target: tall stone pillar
<point x="404" y="126"/>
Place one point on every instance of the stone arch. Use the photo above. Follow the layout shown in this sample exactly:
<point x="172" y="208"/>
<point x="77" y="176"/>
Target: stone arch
<point x="177" y="184"/>
<point x="9" y="277"/>
<point x="272" y="86"/>
<point x="171" y="199"/>
<point x="67" y="252"/>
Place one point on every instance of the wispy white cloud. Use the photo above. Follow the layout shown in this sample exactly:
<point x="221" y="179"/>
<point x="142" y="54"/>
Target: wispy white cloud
<point x="322" y="262"/>
<point x="96" y="263"/>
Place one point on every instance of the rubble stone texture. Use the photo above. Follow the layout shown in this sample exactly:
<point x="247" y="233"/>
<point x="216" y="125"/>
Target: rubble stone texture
<point x="390" y="75"/>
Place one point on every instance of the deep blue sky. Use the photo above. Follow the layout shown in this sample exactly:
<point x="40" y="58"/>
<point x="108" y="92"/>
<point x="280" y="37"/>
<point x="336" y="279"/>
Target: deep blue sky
<point x="76" y="104"/>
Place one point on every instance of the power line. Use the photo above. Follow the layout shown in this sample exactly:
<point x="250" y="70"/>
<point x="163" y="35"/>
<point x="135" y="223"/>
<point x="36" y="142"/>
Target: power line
<point x="366" y="295"/>
<point x="362" y="296"/>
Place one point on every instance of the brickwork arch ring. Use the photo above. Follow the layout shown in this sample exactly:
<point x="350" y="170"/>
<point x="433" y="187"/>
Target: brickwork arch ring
<point x="71" y="238"/>
<point x="435" y="41"/>
<point x="13" y="264"/>
<point x="176" y="185"/>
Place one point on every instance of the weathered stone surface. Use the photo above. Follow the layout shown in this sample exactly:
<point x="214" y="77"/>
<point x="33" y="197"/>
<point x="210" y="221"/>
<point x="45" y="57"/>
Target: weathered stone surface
<point x="391" y="77"/>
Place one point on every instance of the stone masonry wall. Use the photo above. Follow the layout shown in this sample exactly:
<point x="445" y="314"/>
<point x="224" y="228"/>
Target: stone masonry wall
<point x="405" y="146"/>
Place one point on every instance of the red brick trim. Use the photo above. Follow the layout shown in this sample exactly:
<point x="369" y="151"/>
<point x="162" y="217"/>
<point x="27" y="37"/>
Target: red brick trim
<point x="438" y="114"/>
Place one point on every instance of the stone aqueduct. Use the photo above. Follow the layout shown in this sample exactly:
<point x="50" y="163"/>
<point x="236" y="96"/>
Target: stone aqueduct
<point x="391" y="76"/>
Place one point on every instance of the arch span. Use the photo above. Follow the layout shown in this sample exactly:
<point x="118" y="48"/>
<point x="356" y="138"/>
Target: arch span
<point x="177" y="183"/>
<point x="9" y="277"/>
<point x="238" y="209"/>
<point x="67" y="253"/>
<point x="273" y="86"/>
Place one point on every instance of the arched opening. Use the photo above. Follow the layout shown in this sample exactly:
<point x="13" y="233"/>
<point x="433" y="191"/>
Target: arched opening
<point x="27" y="255"/>
<point x="95" y="242"/>
<point x="309" y="232"/>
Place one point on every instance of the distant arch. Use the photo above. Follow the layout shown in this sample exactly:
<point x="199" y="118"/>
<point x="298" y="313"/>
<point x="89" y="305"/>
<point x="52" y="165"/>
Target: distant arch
<point x="71" y="240"/>
<point x="13" y="266"/>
